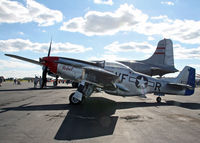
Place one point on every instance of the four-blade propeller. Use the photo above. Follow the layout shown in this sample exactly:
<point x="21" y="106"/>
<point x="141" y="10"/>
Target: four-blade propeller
<point x="45" y="69"/>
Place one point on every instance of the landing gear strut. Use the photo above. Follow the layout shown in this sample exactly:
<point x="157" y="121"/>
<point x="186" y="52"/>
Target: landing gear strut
<point x="74" y="84"/>
<point x="84" y="90"/>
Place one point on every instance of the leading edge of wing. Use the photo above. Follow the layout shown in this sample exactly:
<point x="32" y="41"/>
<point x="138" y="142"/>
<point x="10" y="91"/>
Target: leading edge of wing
<point x="24" y="59"/>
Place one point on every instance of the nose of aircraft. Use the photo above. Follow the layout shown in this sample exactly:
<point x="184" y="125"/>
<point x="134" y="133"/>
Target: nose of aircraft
<point x="50" y="63"/>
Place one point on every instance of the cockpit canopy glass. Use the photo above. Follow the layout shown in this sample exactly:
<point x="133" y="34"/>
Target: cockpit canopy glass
<point x="116" y="65"/>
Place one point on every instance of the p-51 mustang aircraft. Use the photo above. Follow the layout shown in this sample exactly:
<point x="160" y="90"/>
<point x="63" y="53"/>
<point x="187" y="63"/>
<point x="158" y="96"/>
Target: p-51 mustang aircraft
<point x="112" y="77"/>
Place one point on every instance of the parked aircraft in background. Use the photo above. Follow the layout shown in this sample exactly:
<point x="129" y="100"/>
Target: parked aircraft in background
<point x="160" y="63"/>
<point x="112" y="77"/>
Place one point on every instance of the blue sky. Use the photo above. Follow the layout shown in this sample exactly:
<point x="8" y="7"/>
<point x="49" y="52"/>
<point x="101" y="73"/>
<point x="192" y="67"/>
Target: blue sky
<point x="96" y="29"/>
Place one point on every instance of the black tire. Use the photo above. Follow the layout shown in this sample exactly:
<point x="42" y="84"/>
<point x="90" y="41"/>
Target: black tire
<point x="158" y="99"/>
<point x="73" y="100"/>
<point x="74" y="84"/>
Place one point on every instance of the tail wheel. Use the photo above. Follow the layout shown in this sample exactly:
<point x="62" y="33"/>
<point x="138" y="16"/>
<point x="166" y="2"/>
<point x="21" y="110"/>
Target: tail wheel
<point x="158" y="99"/>
<point x="73" y="100"/>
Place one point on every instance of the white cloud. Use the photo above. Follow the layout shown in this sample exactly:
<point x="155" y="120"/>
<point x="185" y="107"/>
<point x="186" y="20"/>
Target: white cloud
<point x="106" y="23"/>
<point x="150" y="38"/>
<point x="15" y="64"/>
<point x="16" y="12"/>
<point x="159" y="17"/>
<point x="186" y="53"/>
<point x="15" y="68"/>
<point x="21" y="73"/>
<point x="179" y="30"/>
<point x="195" y="65"/>
<point x="107" y="57"/>
<point x="15" y="45"/>
<point x="167" y="3"/>
<point x="130" y="46"/>
<point x="128" y="18"/>
<point x="21" y="33"/>
<point x="180" y="52"/>
<point x="106" y="2"/>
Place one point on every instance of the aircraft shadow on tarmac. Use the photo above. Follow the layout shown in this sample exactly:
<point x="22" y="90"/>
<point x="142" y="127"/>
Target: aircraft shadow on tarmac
<point x="94" y="118"/>
<point x="47" y="88"/>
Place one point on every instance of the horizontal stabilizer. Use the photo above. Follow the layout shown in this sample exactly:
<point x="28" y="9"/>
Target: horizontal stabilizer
<point x="180" y="86"/>
<point x="162" y="70"/>
<point x="185" y="81"/>
<point x="24" y="59"/>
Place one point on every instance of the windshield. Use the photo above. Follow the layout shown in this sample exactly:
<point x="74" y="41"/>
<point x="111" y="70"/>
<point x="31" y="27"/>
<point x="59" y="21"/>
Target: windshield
<point x="100" y="63"/>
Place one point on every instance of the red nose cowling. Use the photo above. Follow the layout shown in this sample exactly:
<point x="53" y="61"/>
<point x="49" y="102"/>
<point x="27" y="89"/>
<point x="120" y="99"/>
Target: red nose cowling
<point x="50" y="62"/>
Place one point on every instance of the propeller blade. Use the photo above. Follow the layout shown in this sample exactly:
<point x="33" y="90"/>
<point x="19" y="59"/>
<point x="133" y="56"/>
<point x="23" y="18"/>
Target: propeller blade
<point x="44" y="77"/>
<point x="49" y="48"/>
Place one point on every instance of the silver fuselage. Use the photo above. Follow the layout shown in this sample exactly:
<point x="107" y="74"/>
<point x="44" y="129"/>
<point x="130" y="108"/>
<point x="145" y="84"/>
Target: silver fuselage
<point x="136" y="83"/>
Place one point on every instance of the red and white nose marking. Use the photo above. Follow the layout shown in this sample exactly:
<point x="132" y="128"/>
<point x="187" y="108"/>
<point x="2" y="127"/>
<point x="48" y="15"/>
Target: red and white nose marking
<point x="50" y="63"/>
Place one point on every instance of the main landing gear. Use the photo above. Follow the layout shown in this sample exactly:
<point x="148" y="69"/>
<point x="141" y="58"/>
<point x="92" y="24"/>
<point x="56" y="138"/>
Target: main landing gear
<point x="84" y="90"/>
<point x="74" y="100"/>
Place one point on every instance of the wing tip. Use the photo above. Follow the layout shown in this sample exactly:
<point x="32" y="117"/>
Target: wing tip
<point x="9" y="55"/>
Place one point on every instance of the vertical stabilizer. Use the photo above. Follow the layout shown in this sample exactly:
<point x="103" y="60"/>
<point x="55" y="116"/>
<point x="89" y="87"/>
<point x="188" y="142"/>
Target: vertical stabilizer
<point x="169" y="55"/>
<point x="163" y="54"/>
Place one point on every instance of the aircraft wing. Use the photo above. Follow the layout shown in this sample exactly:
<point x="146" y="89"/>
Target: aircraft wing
<point x="99" y="77"/>
<point x="180" y="86"/>
<point x="24" y="59"/>
<point x="95" y="75"/>
<point x="75" y="62"/>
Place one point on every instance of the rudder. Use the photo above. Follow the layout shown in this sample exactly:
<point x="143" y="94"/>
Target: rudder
<point x="187" y="76"/>
<point x="191" y="81"/>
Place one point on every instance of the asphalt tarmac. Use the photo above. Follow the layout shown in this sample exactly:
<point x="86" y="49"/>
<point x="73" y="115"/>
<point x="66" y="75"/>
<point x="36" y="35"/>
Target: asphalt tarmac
<point x="30" y="115"/>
